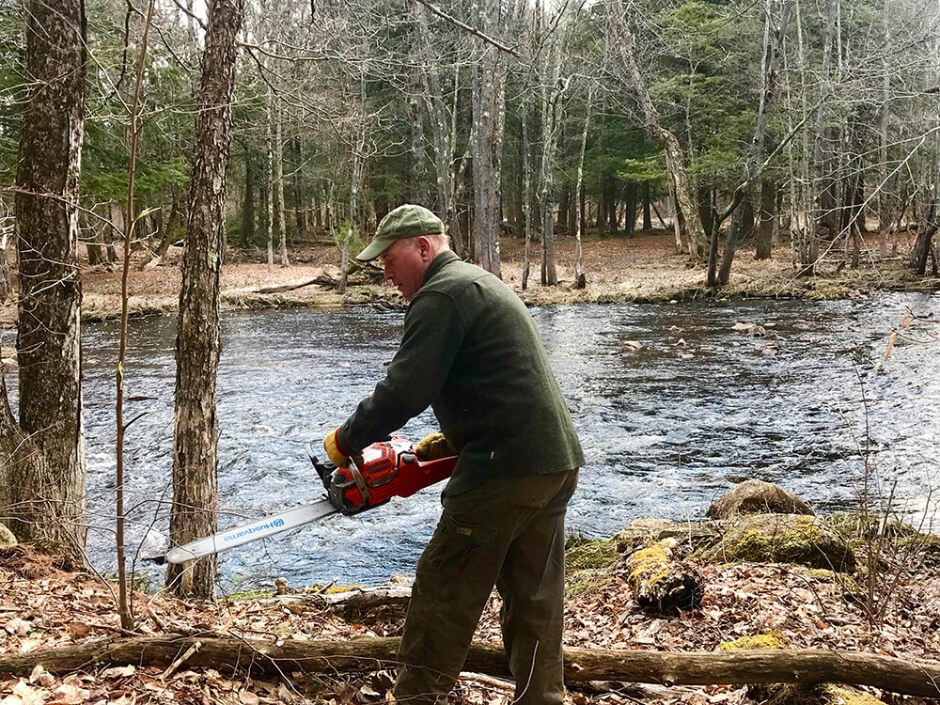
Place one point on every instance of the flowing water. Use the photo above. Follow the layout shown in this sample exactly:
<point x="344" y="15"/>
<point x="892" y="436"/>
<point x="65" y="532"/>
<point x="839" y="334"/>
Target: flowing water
<point x="666" y="428"/>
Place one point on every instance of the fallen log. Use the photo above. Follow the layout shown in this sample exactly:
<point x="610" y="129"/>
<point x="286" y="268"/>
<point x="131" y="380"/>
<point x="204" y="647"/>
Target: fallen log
<point x="806" y="667"/>
<point x="322" y="280"/>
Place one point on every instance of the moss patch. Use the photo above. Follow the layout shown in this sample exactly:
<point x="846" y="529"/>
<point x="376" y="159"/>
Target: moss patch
<point x="770" y="640"/>
<point x="783" y="538"/>
<point x="648" y="566"/>
<point x="823" y="694"/>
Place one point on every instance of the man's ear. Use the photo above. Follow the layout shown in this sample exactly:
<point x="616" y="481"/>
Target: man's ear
<point x="424" y="247"/>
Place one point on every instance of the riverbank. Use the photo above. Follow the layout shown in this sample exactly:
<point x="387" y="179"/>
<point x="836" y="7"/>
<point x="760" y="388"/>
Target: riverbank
<point x="644" y="268"/>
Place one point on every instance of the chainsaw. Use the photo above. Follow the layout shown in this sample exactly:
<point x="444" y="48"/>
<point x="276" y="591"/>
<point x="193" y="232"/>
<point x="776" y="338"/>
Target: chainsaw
<point x="382" y="471"/>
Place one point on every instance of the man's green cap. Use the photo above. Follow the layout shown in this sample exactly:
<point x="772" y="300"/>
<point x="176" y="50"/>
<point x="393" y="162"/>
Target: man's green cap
<point x="407" y="220"/>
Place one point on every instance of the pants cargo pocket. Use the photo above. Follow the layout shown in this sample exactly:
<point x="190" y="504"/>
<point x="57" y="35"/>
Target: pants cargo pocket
<point x="458" y="554"/>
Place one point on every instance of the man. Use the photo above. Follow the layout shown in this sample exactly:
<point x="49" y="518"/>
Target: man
<point x="470" y="350"/>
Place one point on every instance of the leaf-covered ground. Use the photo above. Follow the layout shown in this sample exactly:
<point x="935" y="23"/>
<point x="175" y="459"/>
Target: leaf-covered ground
<point x="43" y="606"/>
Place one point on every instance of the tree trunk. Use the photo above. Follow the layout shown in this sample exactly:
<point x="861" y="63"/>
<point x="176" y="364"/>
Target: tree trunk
<point x="752" y="166"/>
<point x="579" y="278"/>
<point x="768" y="216"/>
<point x="358" y="168"/>
<point x="94" y="245"/>
<point x="6" y="285"/>
<point x="489" y="111"/>
<point x="526" y="195"/>
<point x="442" y="124"/>
<point x="46" y="473"/>
<point x="196" y="428"/>
<point x="925" y="233"/>
<point x="417" y="191"/>
<point x="825" y="216"/>
<point x="279" y="188"/>
<point x="271" y="201"/>
<point x="647" y="216"/>
<point x="629" y="221"/>
<point x="168" y="234"/>
<point x="248" y="204"/>
<point x="806" y="667"/>
<point x="884" y="202"/>
<point x="706" y="211"/>
<point x="747" y="209"/>
<point x="552" y="91"/>
<point x="686" y="212"/>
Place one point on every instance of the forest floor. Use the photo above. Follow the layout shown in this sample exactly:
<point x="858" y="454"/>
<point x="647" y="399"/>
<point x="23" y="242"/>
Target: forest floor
<point x="617" y="269"/>
<point x="44" y="607"/>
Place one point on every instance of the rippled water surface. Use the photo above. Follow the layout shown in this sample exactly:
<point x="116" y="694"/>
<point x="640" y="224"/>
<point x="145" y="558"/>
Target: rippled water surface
<point x="665" y="429"/>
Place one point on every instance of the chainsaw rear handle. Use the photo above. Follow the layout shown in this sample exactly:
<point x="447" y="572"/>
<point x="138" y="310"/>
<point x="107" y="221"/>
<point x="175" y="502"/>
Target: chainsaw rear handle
<point x="382" y="471"/>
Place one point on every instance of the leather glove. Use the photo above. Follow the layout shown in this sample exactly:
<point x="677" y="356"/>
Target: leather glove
<point x="433" y="447"/>
<point x="336" y="453"/>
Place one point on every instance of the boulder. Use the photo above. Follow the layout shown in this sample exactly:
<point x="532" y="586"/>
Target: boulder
<point x="690" y="536"/>
<point x="6" y="536"/>
<point x="782" y="538"/>
<point x="757" y="497"/>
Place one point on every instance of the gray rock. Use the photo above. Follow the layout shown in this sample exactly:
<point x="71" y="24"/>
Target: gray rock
<point x="757" y="497"/>
<point x="6" y="536"/>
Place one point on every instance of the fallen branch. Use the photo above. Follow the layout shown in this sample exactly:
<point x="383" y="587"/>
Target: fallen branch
<point x="322" y="280"/>
<point x="181" y="660"/>
<point x="806" y="667"/>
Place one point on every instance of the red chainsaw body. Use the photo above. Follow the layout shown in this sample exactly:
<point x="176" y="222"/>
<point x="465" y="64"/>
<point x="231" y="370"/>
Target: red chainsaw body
<point x="387" y="469"/>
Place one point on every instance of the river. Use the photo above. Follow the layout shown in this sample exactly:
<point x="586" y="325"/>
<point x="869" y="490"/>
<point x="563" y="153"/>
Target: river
<point x="666" y="428"/>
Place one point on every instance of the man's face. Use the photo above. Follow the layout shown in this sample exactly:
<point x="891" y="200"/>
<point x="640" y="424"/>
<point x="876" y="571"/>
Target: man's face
<point x="405" y="263"/>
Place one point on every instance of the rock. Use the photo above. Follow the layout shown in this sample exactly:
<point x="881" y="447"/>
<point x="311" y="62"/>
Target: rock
<point x="6" y="536"/>
<point x="782" y="538"/>
<point x="689" y="535"/>
<point x="750" y="329"/>
<point x="757" y="497"/>
<point x="660" y="583"/>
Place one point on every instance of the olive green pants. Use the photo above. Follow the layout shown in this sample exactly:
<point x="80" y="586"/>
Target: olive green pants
<point x="508" y="532"/>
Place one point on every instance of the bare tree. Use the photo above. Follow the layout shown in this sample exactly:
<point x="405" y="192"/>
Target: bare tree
<point x="442" y="121"/>
<point x="195" y="440"/>
<point x="489" y="114"/>
<point x="553" y="31"/>
<point x="773" y="37"/>
<point x="689" y="233"/>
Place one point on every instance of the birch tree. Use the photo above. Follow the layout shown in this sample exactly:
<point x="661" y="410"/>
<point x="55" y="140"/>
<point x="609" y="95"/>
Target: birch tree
<point x="689" y="233"/>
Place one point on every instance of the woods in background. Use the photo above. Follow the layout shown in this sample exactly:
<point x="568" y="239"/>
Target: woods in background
<point x="481" y="110"/>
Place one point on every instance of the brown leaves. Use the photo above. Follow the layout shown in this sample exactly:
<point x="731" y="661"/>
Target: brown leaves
<point x="806" y="608"/>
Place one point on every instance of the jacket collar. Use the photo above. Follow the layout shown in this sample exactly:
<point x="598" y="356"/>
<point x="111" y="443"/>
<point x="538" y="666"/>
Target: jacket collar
<point x="443" y="259"/>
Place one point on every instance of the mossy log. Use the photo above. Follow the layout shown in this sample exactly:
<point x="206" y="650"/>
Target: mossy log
<point x="660" y="583"/>
<point x="806" y="667"/>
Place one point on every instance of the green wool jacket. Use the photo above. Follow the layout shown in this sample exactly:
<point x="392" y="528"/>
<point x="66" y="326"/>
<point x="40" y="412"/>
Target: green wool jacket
<point x="471" y="351"/>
